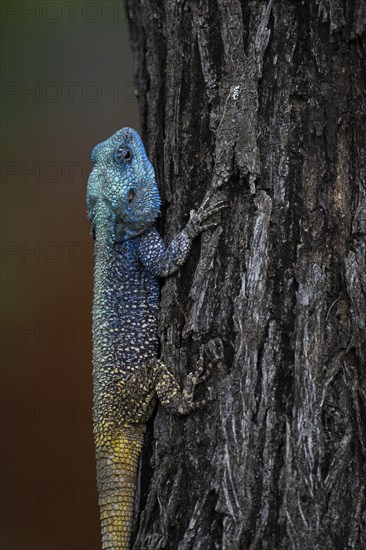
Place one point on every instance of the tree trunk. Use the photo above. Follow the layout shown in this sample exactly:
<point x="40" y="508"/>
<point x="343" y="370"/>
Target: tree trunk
<point x="265" y="102"/>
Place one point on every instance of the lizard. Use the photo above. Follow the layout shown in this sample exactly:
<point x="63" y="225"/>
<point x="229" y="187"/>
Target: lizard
<point x="123" y="203"/>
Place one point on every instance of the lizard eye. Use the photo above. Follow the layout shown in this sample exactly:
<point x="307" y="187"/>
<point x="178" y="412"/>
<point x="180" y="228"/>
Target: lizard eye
<point x="131" y="195"/>
<point x="123" y="155"/>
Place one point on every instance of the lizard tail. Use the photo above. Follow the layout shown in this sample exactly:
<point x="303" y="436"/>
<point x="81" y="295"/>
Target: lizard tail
<point x="118" y="454"/>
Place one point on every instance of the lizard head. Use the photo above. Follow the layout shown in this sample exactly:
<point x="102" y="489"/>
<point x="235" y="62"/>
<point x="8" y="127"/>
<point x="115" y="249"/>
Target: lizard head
<point x="123" y="197"/>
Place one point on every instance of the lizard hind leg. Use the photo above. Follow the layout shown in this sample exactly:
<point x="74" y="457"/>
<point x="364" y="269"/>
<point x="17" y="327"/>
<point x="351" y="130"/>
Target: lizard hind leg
<point x="169" y="392"/>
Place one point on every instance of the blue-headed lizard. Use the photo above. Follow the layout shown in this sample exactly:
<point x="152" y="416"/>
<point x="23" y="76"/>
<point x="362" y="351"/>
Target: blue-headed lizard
<point x="123" y="203"/>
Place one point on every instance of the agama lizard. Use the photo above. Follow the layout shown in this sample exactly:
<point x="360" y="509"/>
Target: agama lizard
<point x="123" y="203"/>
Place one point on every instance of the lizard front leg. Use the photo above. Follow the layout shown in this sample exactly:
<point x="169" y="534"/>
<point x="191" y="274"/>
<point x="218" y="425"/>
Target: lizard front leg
<point x="162" y="261"/>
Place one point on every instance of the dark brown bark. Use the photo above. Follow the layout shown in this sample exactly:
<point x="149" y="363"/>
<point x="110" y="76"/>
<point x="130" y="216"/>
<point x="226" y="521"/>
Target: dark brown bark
<point x="264" y="101"/>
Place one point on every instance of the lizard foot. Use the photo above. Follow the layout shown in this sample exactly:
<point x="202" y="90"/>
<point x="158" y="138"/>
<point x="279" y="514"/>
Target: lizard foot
<point x="167" y="388"/>
<point x="198" y="219"/>
<point x="201" y="374"/>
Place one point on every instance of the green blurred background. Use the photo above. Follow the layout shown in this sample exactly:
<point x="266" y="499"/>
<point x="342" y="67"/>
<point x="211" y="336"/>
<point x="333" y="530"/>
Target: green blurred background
<point x="67" y="84"/>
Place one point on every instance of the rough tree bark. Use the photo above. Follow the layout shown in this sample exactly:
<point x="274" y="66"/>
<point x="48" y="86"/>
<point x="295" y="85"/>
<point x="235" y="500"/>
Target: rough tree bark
<point x="264" y="101"/>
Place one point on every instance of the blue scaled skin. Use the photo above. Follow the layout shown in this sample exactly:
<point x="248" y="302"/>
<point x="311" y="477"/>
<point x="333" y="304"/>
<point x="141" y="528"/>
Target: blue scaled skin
<point x="122" y="189"/>
<point x="123" y="203"/>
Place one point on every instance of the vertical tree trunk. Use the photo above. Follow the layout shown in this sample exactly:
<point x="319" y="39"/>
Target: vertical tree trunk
<point x="264" y="101"/>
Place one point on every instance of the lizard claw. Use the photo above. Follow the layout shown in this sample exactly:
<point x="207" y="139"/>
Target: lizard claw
<point x="214" y="349"/>
<point x="196" y="223"/>
<point x="203" y="402"/>
<point x="201" y="376"/>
